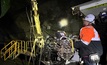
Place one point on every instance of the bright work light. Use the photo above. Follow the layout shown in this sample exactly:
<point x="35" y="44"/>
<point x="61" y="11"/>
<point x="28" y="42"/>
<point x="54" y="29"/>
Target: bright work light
<point x="63" y="22"/>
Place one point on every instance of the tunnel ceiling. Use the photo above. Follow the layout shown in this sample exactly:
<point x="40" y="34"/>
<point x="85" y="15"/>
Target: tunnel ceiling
<point x="14" y="22"/>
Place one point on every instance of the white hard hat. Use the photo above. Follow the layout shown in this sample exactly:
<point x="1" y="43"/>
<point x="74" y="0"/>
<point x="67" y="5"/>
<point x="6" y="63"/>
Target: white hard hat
<point x="90" y="18"/>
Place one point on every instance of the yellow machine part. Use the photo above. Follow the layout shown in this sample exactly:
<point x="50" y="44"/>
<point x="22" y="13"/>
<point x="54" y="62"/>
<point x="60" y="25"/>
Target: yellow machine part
<point x="72" y="45"/>
<point x="37" y="24"/>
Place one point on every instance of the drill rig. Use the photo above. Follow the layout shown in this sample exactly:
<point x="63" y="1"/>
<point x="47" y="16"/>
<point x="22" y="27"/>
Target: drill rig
<point x="50" y="45"/>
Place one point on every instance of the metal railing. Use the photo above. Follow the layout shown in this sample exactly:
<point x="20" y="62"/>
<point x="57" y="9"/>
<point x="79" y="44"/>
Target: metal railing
<point x="15" y="48"/>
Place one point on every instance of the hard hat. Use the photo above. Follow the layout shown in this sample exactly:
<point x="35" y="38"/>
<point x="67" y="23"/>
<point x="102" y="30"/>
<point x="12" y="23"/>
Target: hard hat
<point x="103" y="16"/>
<point x="90" y="18"/>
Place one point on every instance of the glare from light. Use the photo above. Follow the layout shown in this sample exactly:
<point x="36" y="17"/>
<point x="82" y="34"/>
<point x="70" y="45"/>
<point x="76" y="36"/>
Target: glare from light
<point x="72" y="8"/>
<point x="63" y="22"/>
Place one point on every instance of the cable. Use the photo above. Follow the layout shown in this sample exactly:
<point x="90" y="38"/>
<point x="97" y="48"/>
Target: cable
<point x="40" y="56"/>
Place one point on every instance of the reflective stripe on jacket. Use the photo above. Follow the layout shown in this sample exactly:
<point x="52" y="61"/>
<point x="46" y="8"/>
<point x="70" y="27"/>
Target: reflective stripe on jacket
<point x="88" y="34"/>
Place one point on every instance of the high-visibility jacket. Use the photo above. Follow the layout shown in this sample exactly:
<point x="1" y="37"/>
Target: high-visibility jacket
<point x="89" y="43"/>
<point x="88" y="34"/>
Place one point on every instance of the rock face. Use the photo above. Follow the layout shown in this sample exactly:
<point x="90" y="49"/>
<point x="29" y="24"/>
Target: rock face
<point x="15" y="25"/>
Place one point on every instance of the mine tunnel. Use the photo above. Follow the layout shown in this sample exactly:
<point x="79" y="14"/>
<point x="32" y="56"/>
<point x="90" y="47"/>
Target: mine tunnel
<point x="16" y="17"/>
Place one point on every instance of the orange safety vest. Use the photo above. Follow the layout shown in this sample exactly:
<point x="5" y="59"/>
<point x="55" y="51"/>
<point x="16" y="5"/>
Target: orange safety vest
<point x="88" y="34"/>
